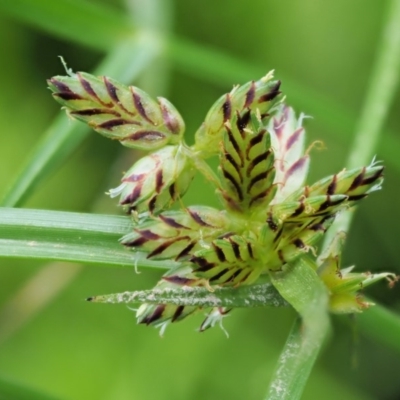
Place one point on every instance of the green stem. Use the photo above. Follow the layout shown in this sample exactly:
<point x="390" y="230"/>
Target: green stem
<point x="381" y="91"/>
<point x="301" y="287"/>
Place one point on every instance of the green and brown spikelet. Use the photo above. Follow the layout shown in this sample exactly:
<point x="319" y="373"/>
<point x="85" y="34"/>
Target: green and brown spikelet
<point x="269" y="217"/>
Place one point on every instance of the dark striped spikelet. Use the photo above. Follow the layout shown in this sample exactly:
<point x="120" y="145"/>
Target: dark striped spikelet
<point x="119" y="112"/>
<point x="269" y="217"/>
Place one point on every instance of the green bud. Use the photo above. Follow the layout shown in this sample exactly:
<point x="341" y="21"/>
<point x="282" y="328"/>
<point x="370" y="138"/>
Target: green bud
<point x="344" y="285"/>
<point x="119" y="112"/>
<point x="258" y="96"/>
<point x="177" y="234"/>
<point x="155" y="180"/>
<point x="356" y="184"/>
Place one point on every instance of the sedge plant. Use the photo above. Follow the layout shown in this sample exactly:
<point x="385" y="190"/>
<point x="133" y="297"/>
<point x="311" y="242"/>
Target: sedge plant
<point x="270" y="221"/>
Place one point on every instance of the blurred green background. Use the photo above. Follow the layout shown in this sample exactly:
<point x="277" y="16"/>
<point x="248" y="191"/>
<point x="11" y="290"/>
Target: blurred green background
<point x="70" y="349"/>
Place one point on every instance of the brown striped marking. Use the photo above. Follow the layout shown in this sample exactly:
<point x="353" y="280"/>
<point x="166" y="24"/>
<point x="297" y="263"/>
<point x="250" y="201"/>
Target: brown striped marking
<point x="227" y="108"/>
<point x="137" y="101"/>
<point x="271" y="223"/>
<point x="225" y="235"/>
<point x="357" y="197"/>
<point x="259" y="177"/>
<point x="148" y="136"/>
<point x="278" y="235"/>
<point x="61" y="87"/>
<point x="299" y="243"/>
<point x="140" y="241"/>
<point x="172" y="191"/>
<point x="218" y="251"/>
<point x="242" y="122"/>
<point x="203" y="264"/>
<point x="219" y="275"/>
<point x="113" y="93"/>
<point x="296" y="165"/>
<point x="133" y="196"/>
<point x="257" y="160"/>
<point x="171" y="222"/>
<point x="254" y="141"/>
<point x="159" y="180"/>
<point x="357" y="180"/>
<point x="271" y="94"/>
<point x="280" y="255"/>
<point x="250" y="250"/>
<point x="234" y="144"/>
<point x="317" y="227"/>
<point x="87" y="87"/>
<point x="186" y="251"/>
<point x="178" y="280"/>
<point x="332" y="186"/>
<point x="155" y="315"/>
<point x="164" y="246"/>
<point x="233" y="181"/>
<point x="234" y="275"/>
<point x="260" y="196"/>
<point x="68" y="96"/>
<point x="235" y="248"/>
<point x="152" y="204"/>
<point x="230" y="201"/>
<point x="293" y="138"/>
<point x="135" y="177"/>
<point x="95" y="111"/>
<point x="234" y="164"/>
<point x="112" y="123"/>
<point x="245" y="276"/>
<point x="148" y="234"/>
<point x="197" y="218"/>
<point x="250" y="95"/>
<point x="299" y="210"/>
<point x="169" y="120"/>
<point x="178" y="312"/>
<point x="378" y="174"/>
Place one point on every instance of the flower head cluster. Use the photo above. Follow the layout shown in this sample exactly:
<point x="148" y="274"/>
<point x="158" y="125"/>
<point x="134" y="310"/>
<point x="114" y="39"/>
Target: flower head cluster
<point x="268" y="217"/>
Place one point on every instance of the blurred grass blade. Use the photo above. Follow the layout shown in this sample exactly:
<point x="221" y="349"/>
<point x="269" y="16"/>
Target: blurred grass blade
<point x="64" y="236"/>
<point x="302" y="288"/>
<point x="381" y="325"/>
<point x="380" y="94"/>
<point x="33" y="295"/>
<point x="12" y="390"/>
<point x="258" y="295"/>
<point x="206" y="63"/>
<point x="90" y="24"/>
<point x="125" y="63"/>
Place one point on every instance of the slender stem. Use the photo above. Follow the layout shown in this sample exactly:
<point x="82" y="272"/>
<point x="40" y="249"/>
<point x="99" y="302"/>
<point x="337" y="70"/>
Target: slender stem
<point x="301" y="287"/>
<point x="381" y="90"/>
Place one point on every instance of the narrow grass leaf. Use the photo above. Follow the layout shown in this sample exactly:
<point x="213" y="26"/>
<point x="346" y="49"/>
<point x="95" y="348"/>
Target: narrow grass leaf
<point x="257" y="295"/>
<point x="87" y="23"/>
<point x="64" y="236"/>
